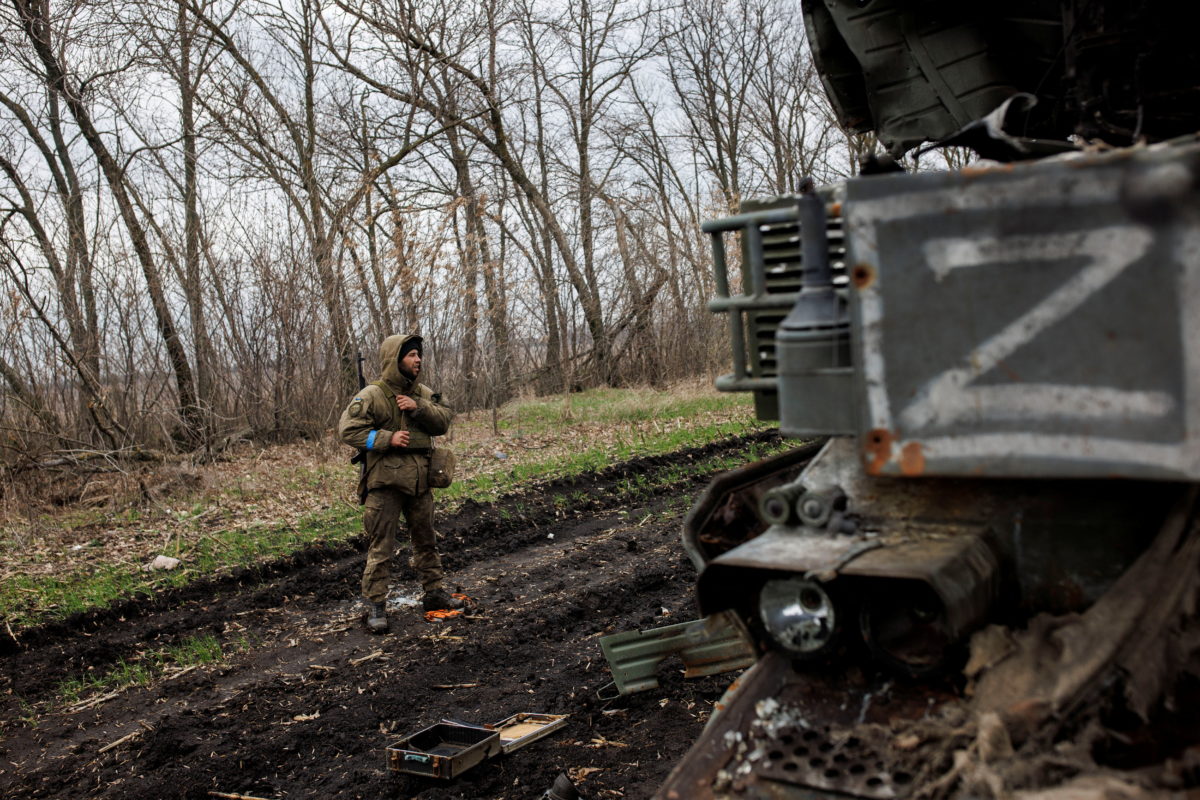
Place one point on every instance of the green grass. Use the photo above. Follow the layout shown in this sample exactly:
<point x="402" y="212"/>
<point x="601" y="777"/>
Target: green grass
<point x="622" y="448"/>
<point x="195" y="650"/>
<point x="623" y="413"/>
<point x="143" y="669"/>
<point x="608" y="406"/>
<point x="26" y="601"/>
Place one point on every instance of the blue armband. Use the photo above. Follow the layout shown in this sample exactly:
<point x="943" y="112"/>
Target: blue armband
<point x="371" y="439"/>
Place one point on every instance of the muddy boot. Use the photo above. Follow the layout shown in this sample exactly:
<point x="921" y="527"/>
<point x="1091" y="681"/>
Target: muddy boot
<point x="440" y="600"/>
<point x="377" y="621"/>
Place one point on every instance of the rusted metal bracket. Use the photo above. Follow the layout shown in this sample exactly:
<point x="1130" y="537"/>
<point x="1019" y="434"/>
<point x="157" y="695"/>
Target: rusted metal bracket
<point x="707" y="646"/>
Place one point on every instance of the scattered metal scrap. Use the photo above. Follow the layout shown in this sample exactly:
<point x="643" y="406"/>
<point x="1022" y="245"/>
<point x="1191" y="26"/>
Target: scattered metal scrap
<point x="707" y="646"/>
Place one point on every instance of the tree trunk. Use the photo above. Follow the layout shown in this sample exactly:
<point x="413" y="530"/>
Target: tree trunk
<point x="36" y="22"/>
<point x="193" y="287"/>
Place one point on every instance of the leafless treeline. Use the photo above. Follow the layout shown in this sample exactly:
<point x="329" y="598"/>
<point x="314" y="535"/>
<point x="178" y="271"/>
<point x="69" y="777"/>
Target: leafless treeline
<point x="210" y="205"/>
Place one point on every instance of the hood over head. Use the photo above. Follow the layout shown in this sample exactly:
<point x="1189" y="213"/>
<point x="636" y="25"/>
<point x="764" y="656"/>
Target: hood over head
<point x="389" y="360"/>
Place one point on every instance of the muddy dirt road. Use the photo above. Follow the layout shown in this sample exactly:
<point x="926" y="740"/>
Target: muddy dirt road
<point x="306" y="701"/>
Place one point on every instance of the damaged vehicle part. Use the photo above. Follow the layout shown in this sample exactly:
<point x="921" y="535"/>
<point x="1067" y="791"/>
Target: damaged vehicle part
<point x="706" y="646"/>
<point x="920" y="72"/>
<point x="997" y="372"/>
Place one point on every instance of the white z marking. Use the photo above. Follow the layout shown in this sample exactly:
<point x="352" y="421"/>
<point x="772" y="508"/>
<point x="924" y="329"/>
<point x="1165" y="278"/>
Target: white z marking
<point x="950" y="397"/>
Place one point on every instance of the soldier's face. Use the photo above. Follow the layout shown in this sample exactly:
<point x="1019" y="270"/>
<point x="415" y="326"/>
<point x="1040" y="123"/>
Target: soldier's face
<point x="411" y="363"/>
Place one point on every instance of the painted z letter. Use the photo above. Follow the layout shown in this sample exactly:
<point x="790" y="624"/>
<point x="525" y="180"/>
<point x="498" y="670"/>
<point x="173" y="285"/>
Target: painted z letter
<point x="950" y="396"/>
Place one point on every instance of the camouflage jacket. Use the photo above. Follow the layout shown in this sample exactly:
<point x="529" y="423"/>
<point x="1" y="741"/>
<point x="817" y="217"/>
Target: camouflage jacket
<point x="372" y="417"/>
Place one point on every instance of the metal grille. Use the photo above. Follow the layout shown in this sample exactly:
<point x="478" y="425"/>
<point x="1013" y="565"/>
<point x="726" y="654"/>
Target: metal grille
<point x="822" y="759"/>
<point x="772" y="273"/>
<point x="784" y="270"/>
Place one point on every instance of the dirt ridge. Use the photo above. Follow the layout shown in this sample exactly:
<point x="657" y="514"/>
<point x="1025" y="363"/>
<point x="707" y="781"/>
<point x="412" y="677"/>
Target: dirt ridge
<point x="471" y="518"/>
<point x="308" y="707"/>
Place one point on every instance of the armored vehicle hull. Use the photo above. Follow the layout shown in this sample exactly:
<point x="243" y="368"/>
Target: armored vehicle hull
<point x="979" y="572"/>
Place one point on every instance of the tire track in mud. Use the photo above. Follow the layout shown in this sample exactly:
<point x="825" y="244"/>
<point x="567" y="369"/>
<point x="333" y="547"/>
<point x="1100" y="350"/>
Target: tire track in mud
<point x="319" y="573"/>
<point x="308" y="709"/>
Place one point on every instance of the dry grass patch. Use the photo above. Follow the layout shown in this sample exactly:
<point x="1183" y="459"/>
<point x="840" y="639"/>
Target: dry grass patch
<point x="263" y="501"/>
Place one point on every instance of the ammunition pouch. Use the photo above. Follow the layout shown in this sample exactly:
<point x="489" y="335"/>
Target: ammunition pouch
<point x="441" y="467"/>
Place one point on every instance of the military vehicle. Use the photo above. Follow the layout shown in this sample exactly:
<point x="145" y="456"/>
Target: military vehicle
<point x="978" y="571"/>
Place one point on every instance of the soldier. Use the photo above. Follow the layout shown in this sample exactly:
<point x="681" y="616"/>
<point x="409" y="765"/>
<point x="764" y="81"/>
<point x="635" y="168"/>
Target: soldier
<point x="393" y="421"/>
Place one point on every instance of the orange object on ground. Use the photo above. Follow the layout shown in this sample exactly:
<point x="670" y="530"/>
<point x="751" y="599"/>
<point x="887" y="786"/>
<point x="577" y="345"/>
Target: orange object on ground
<point x="435" y="616"/>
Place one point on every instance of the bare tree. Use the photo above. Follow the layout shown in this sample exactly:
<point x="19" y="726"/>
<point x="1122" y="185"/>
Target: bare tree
<point x="429" y="43"/>
<point x="713" y="49"/>
<point x="38" y="27"/>
<point x="210" y="206"/>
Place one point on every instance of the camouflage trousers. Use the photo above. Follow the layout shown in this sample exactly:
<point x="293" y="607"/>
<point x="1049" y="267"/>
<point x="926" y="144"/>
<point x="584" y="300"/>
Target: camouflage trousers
<point x="381" y="519"/>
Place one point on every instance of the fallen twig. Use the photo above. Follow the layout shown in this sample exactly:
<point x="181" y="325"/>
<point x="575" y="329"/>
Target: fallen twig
<point x="120" y="741"/>
<point x="92" y="702"/>
<point x="77" y="459"/>
<point x="600" y="741"/>
<point x="181" y="672"/>
<point x="454" y="686"/>
<point x="228" y="796"/>
<point x="367" y="657"/>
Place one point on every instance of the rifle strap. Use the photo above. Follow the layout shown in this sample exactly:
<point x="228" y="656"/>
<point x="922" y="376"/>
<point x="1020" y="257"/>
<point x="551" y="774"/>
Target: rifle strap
<point x="387" y="390"/>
